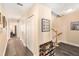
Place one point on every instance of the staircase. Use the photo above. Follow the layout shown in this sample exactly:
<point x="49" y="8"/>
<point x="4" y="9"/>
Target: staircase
<point x="56" y="36"/>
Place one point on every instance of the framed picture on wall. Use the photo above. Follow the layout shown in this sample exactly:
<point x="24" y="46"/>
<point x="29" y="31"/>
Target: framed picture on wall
<point x="4" y="21"/>
<point x="75" y="25"/>
<point x="0" y="17"/>
<point x="45" y="25"/>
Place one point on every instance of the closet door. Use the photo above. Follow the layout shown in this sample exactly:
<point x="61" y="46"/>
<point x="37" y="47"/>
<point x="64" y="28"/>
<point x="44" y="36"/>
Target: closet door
<point x="30" y="34"/>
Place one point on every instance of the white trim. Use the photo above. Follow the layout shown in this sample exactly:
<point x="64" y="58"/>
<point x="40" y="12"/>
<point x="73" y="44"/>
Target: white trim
<point x="71" y="43"/>
<point x="6" y="43"/>
<point x="5" y="48"/>
<point x="23" y="43"/>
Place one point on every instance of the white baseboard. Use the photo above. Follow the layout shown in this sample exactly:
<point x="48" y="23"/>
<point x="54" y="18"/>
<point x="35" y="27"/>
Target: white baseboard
<point x="70" y="43"/>
<point x="5" y="48"/>
<point x="23" y="43"/>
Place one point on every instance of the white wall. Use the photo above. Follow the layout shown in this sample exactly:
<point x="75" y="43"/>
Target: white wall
<point x="30" y="35"/>
<point x="45" y="12"/>
<point x="72" y="36"/>
<point x="3" y="34"/>
<point x="63" y="25"/>
<point x="33" y="35"/>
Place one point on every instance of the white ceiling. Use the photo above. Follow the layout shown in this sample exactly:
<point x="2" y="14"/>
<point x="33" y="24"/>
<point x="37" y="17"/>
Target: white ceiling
<point x="15" y="11"/>
<point x="59" y="7"/>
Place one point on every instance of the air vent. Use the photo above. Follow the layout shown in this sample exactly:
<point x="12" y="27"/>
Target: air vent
<point x="19" y="4"/>
<point x="56" y="14"/>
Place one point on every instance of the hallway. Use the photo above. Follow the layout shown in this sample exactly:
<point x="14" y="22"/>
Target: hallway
<point x="29" y="29"/>
<point x="15" y="47"/>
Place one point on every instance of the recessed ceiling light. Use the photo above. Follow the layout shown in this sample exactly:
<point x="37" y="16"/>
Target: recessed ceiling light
<point x="67" y="11"/>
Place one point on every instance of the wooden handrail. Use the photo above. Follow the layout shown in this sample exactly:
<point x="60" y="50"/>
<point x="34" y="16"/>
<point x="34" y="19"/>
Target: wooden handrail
<point x="56" y="36"/>
<point x="54" y="30"/>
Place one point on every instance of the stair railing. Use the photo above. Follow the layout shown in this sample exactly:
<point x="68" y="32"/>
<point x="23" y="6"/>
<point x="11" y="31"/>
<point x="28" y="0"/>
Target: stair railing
<point x="56" y="36"/>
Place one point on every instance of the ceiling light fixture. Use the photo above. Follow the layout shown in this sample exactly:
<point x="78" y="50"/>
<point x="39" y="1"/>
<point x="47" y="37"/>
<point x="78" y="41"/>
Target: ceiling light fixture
<point x="67" y="11"/>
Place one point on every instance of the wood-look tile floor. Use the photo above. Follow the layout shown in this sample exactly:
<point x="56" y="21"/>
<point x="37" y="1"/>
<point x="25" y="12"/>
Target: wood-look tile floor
<point x="66" y="50"/>
<point x="15" y="47"/>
